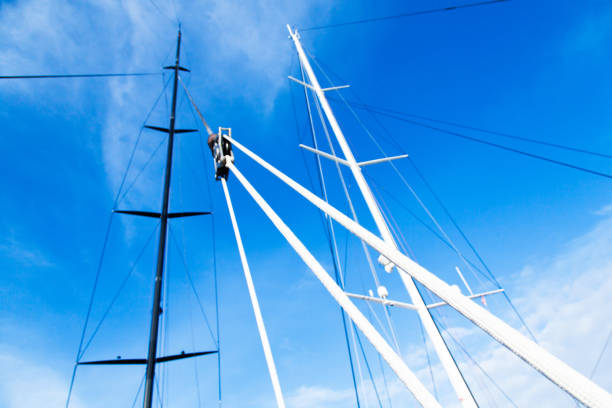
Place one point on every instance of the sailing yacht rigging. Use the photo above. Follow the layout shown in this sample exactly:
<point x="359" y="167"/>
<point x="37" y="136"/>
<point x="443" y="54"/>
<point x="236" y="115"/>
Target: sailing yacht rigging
<point x="417" y="281"/>
<point x="390" y="257"/>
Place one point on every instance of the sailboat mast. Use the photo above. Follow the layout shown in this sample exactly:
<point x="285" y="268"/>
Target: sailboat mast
<point x="448" y="362"/>
<point x="161" y="249"/>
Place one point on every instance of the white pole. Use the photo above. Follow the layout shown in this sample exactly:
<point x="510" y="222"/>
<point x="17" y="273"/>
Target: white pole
<point x="280" y="402"/>
<point x="459" y="385"/>
<point x="414" y="385"/>
<point x="565" y="377"/>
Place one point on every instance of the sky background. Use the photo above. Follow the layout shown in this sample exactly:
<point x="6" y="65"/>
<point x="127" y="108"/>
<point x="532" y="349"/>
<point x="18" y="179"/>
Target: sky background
<point x="533" y="69"/>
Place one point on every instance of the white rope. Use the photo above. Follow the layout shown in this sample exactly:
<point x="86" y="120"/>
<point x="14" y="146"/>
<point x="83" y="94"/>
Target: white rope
<point x="280" y="402"/>
<point x="405" y="375"/>
<point x="550" y="366"/>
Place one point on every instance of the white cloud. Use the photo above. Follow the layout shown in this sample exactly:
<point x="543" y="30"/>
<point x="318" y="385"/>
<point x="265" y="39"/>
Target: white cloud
<point x="565" y="301"/>
<point x="317" y="396"/>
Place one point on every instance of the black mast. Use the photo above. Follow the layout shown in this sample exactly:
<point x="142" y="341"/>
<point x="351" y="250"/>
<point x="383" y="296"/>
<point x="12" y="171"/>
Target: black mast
<point x="161" y="249"/>
<point x="152" y="358"/>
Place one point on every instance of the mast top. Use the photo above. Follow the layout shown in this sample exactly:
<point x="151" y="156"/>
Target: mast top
<point x="176" y="65"/>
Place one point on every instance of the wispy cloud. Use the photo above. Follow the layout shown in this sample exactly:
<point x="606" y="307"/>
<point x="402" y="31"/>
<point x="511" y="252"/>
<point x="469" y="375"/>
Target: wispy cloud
<point x="23" y="254"/>
<point x="323" y="397"/>
<point x="25" y="383"/>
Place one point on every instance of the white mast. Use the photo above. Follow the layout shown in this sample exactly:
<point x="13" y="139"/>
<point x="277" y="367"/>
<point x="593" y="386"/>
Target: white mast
<point x="263" y="335"/>
<point x="459" y="385"/>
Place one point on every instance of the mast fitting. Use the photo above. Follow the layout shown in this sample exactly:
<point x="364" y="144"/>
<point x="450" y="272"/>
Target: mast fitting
<point x="222" y="153"/>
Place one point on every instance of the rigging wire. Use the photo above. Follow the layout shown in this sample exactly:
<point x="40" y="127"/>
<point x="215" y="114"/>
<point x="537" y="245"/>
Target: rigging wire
<point x="165" y="15"/>
<point x="184" y="256"/>
<point x="354" y="214"/>
<point x="394" y="226"/>
<point x="50" y="76"/>
<point x="431" y="374"/>
<point x="369" y="371"/>
<point x="190" y="279"/>
<point x="397" y="115"/>
<point x="178" y="22"/>
<point x="378" y="188"/>
<point x="214" y="249"/>
<point x="492" y="144"/>
<point x="401" y="240"/>
<point x="479" y="129"/>
<point x="144" y="167"/>
<point x="382" y="370"/>
<point x="332" y="234"/>
<point x="471" y="267"/>
<point x="161" y="404"/>
<point x="195" y="364"/>
<point x="331" y="237"/>
<point x="89" y="307"/>
<point x="402" y="178"/>
<point x="358" y="361"/>
<point x="334" y="248"/>
<point x="138" y="391"/>
<point x="601" y="354"/>
<point x="210" y="199"/>
<point x="159" y="9"/>
<point x="118" y="292"/>
<point x="213" y="233"/>
<point x="403" y="15"/>
<point x="403" y="243"/>
<point x="346" y="193"/>
<point x="459" y="229"/>
<point x="436" y="197"/>
<point x="460" y="345"/>
<point x="105" y="244"/>
<point x="414" y="194"/>
<point x="397" y="171"/>
<point x="473" y="248"/>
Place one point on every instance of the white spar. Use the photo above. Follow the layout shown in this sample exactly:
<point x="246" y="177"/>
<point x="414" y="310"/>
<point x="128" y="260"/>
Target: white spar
<point x="414" y="385"/>
<point x="568" y="379"/>
<point x="460" y="387"/>
<point x="265" y="343"/>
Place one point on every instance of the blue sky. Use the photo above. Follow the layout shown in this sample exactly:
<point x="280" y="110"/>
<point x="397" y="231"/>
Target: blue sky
<point x="535" y="70"/>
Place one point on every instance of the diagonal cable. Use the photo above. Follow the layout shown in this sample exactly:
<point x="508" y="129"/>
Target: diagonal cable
<point x="53" y="76"/>
<point x="118" y="292"/>
<point x="104" y="246"/>
<point x="364" y="106"/>
<point x="404" y="15"/>
<point x="193" y="288"/>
